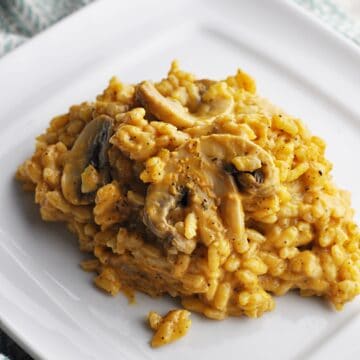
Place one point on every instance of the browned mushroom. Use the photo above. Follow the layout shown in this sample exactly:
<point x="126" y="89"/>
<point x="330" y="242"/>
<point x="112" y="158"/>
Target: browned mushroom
<point x="90" y="148"/>
<point x="197" y="181"/>
<point x="171" y="111"/>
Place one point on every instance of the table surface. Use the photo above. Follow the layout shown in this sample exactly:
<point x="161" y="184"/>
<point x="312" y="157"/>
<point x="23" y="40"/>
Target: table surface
<point x="9" y="348"/>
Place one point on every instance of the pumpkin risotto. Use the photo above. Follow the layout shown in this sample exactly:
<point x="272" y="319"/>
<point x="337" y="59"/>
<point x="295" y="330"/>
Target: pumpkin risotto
<point x="200" y="189"/>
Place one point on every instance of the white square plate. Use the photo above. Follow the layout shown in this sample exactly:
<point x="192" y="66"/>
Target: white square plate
<point x="46" y="302"/>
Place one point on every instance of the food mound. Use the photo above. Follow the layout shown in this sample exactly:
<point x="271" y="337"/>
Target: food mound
<point x="199" y="189"/>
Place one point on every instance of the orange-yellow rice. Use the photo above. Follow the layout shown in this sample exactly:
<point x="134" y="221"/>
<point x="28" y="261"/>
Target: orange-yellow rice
<point x="204" y="191"/>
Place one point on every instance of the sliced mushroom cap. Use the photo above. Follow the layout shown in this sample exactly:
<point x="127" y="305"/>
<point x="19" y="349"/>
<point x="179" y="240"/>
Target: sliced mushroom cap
<point x="171" y="111"/>
<point x="197" y="170"/>
<point x="90" y="148"/>
<point x="262" y="181"/>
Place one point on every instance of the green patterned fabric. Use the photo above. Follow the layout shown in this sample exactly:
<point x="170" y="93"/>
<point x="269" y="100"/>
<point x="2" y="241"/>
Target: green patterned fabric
<point x="22" y="19"/>
<point x="333" y="16"/>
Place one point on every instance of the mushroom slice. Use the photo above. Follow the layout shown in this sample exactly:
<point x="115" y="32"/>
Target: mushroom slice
<point x="90" y="148"/>
<point x="196" y="181"/>
<point x="262" y="181"/>
<point x="171" y="111"/>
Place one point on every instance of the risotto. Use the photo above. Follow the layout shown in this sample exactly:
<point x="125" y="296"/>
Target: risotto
<point x="200" y="189"/>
